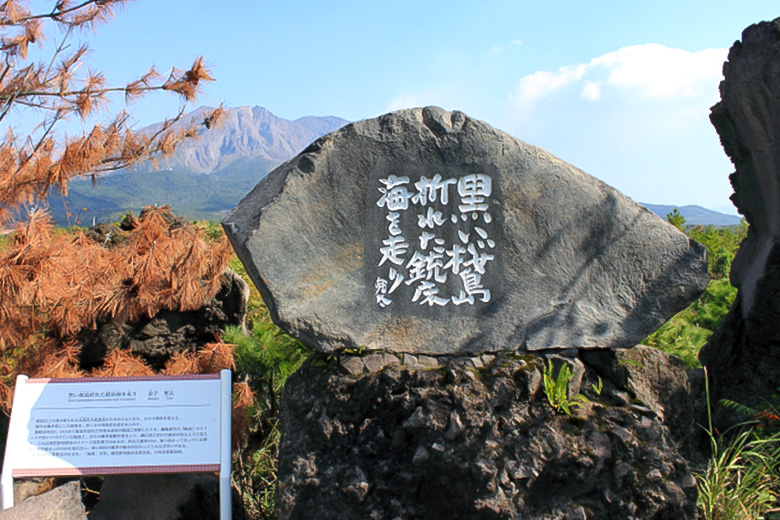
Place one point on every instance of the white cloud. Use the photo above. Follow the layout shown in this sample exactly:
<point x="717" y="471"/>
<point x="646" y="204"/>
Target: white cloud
<point x="517" y="42"/>
<point x="648" y="71"/>
<point x="539" y="84"/>
<point x="637" y="118"/>
<point x="496" y="49"/>
<point x="591" y="90"/>
<point x="656" y="71"/>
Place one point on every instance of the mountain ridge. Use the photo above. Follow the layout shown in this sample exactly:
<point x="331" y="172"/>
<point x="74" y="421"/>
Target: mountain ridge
<point x="206" y="177"/>
<point x="695" y="215"/>
<point x="244" y="133"/>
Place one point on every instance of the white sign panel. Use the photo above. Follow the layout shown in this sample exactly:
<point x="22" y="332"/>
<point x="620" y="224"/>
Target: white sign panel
<point x="98" y="426"/>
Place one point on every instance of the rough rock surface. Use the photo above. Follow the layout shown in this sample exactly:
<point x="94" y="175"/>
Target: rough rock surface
<point x="506" y="247"/>
<point x="476" y="438"/>
<point x="157" y="338"/>
<point x="743" y="356"/>
<point x="62" y="503"/>
<point x="191" y="496"/>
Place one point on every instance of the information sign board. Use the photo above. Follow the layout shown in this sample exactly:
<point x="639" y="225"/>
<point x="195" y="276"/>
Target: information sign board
<point x="119" y="425"/>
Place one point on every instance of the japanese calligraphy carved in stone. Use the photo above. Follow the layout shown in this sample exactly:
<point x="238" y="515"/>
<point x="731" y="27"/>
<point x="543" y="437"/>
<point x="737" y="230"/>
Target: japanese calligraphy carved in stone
<point x="426" y="231"/>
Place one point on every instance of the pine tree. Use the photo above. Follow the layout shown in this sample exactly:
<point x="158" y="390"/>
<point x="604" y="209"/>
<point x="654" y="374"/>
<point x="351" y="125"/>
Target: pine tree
<point x="54" y="284"/>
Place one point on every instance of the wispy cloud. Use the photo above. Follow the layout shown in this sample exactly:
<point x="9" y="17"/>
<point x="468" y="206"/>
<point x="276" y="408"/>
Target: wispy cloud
<point x="446" y="96"/>
<point x="656" y="71"/>
<point x="648" y="71"/>
<point x="635" y="117"/>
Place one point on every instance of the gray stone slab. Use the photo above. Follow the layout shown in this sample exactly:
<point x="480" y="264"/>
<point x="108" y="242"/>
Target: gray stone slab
<point x="426" y="231"/>
<point x="62" y="503"/>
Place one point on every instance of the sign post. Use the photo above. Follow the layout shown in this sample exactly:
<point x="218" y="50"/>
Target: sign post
<point x="120" y="425"/>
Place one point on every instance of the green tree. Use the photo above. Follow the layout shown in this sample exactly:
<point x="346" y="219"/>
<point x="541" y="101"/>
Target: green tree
<point x="676" y="219"/>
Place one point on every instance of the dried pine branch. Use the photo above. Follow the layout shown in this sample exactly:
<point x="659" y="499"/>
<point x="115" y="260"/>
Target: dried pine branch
<point x="54" y="286"/>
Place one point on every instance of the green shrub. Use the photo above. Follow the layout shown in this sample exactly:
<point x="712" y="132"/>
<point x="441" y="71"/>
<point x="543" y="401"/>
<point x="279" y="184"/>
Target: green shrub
<point x="265" y="357"/>
<point x="687" y="331"/>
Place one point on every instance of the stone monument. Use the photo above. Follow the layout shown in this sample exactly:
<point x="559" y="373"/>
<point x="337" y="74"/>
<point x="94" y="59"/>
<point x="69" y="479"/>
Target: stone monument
<point x="465" y="267"/>
<point x="425" y="231"/>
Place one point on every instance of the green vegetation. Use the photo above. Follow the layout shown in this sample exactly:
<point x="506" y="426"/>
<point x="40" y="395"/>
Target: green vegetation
<point x="597" y="388"/>
<point x="742" y="479"/>
<point x="690" y="329"/>
<point x="265" y="357"/>
<point x="556" y="388"/>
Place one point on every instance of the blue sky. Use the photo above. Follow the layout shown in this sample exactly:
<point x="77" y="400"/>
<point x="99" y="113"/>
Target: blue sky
<point x="620" y="89"/>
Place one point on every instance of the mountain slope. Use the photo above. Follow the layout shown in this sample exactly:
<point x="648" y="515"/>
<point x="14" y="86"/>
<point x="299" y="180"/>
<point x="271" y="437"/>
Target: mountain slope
<point x="206" y="177"/>
<point x="247" y="133"/>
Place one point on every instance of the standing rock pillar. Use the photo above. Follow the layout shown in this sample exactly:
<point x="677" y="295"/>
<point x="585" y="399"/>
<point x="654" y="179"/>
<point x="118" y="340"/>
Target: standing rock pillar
<point x="743" y="356"/>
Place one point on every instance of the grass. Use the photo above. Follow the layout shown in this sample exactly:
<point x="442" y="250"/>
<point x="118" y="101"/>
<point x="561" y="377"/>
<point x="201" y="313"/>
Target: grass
<point x="686" y="332"/>
<point x="741" y="481"/>
<point x="265" y="356"/>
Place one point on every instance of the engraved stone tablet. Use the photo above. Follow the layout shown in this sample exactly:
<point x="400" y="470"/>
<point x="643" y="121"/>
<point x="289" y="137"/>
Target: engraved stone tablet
<point x="425" y="231"/>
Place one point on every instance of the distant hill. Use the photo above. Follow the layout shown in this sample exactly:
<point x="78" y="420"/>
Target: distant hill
<point x="695" y="215"/>
<point x="206" y="177"/>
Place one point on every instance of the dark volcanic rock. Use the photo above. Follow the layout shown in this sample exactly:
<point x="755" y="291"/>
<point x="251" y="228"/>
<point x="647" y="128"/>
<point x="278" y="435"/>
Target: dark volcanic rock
<point x="742" y="357"/>
<point x="186" y="496"/>
<point x="475" y="438"/>
<point x="158" y="337"/>
<point x="426" y="231"/>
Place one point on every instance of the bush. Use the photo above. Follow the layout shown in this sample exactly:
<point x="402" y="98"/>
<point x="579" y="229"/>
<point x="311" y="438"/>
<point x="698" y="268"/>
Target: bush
<point x="686" y="332"/>
<point x="691" y="328"/>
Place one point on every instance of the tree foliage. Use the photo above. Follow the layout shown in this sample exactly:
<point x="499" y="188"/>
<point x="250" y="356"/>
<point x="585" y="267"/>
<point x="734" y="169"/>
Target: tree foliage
<point x="676" y="219"/>
<point x="54" y="284"/>
<point x="690" y="329"/>
<point x="58" y="90"/>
